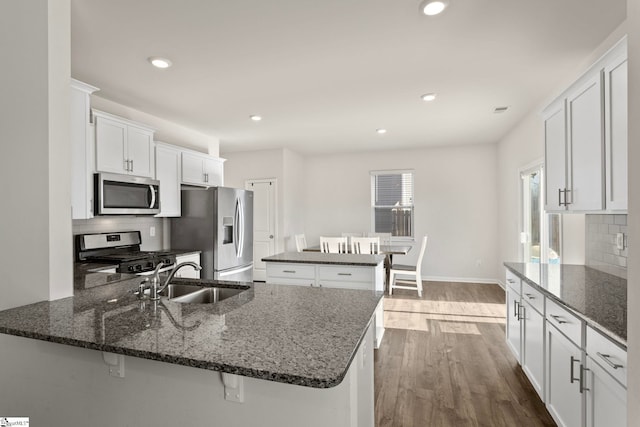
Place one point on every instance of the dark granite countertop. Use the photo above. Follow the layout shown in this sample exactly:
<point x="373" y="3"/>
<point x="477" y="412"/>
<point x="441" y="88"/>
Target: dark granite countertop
<point x="597" y="297"/>
<point x="291" y="334"/>
<point x="323" y="258"/>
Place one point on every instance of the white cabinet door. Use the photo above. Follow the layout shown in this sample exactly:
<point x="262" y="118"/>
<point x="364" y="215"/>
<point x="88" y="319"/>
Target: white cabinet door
<point x="555" y="141"/>
<point x="213" y="172"/>
<point x="168" y="173"/>
<point x="533" y="346"/>
<point x="140" y="151"/>
<point x="615" y="89"/>
<point x="192" y="172"/>
<point x="82" y="158"/>
<point x="513" y="327"/>
<point x="188" y="272"/>
<point x="563" y="397"/>
<point x="111" y="146"/>
<point x="606" y="398"/>
<point x="586" y="171"/>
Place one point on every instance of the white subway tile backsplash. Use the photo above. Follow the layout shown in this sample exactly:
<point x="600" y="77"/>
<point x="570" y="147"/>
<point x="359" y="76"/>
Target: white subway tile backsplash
<point x="602" y="252"/>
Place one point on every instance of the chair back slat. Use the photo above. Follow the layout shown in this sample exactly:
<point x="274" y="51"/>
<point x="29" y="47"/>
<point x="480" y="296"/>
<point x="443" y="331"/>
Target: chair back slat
<point x="333" y="245"/>
<point x="365" y="245"/>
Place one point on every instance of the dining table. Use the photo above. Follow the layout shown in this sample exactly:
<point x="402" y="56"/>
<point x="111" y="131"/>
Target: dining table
<point x="387" y="250"/>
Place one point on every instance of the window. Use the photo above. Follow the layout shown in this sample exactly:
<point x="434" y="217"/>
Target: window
<point x="392" y="202"/>
<point x="541" y="232"/>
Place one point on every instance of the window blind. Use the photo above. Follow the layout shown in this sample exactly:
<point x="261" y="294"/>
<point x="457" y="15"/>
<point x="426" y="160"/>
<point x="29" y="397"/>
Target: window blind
<point x="392" y="202"/>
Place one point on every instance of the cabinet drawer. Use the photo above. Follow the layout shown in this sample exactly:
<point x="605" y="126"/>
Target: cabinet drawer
<point x="569" y="324"/>
<point x="300" y="271"/>
<point x="513" y="282"/>
<point x="533" y="297"/>
<point x="609" y="355"/>
<point x="300" y="281"/>
<point x="346" y="285"/>
<point x="346" y="274"/>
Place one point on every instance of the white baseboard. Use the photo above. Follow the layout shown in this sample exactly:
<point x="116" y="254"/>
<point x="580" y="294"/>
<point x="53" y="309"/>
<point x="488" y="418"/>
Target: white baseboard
<point x="462" y="280"/>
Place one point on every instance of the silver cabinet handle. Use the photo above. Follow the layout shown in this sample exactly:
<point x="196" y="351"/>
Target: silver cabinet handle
<point x="520" y="307"/>
<point x="582" y="379"/>
<point x="566" y="203"/>
<point x="131" y="161"/>
<point x="572" y="378"/>
<point x="559" y="197"/>
<point x="288" y="271"/>
<point x="511" y="281"/>
<point x="516" y="310"/>
<point x="557" y="319"/>
<point x="344" y="274"/>
<point x="607" y="359"/>
<point x="530" y="296"/>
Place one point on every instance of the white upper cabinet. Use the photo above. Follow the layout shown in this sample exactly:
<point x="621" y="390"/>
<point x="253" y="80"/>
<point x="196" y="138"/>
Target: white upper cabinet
<point x="585" y="189"/>
<point x="123" y="146"/>
<point x="201" y="169"/>
<point x="82" y="164"/>
<point x="586" y="140"/>
<point x="555" y="133"/>
<point x="615" y="108"/>
<point x="168" y="173"/>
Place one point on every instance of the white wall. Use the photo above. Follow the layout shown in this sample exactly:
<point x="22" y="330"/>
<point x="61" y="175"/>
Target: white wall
<point x="166" y="131"/>
<point x="456" y="204"/>
<point x="633" y="268"/>
<point x="294" y="188"/>
<point x="35" y="153"/>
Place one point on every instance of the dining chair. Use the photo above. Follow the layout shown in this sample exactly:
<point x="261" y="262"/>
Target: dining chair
<point x="301" y="242"/>
<point x="365" y="245"/>
<point x="385" y="238"/>
<point x="333" y="245"/>
<point x="349" y="236"/>
<point x="405" y="271"/>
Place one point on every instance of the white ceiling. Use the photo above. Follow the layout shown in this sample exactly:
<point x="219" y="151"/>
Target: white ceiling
<point x="325" y="74"/>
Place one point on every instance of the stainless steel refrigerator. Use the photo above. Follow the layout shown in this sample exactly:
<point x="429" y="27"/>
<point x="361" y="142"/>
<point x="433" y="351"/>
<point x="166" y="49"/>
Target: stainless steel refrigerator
<point x="219" y="222"/>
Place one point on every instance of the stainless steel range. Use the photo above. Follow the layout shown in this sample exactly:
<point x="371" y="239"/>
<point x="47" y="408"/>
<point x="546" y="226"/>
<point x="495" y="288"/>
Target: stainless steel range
<point x="122" y="249"/>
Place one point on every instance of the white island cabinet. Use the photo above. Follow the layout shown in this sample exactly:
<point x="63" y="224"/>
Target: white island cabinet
<point x="346" y="271"/>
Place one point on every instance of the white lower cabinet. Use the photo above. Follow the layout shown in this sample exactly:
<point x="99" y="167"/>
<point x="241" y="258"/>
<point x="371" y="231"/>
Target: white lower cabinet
<point x="578" y="372"/>
<point x="188" y="272"/>
<point x="533" y="346"/>
<point x="513" y="327"/>
<point x="564" y="366"/>
<point x="606" y="398"/>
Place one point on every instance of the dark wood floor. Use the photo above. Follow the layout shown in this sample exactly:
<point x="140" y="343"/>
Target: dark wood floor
<point x="444" y="362"/>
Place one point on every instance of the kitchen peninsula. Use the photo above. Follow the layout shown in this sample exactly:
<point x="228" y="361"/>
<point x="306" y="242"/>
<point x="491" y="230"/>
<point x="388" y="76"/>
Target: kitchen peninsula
<point x="286" y="356"/>
<point x="329" y="270"/>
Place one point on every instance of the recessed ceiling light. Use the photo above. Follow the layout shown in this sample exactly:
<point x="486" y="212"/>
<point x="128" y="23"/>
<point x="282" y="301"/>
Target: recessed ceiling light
<point x="381" y="131"/>
<point x="428" y="97"/>
<point x="255" y="118"/>
<point x="433" y="7"/>
<point x="159" y="62"/>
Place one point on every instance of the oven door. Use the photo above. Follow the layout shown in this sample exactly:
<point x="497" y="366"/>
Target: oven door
<point x="126" y="195"/>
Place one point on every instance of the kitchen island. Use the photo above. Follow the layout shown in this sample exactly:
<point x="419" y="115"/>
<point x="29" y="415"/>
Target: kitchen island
<point x="329" y="270"/>
<point x="268" y="356"/>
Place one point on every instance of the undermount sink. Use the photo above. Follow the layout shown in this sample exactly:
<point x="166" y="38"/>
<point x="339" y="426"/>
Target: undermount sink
<point x="192" y="294"/>
<point x="174" y="291"/>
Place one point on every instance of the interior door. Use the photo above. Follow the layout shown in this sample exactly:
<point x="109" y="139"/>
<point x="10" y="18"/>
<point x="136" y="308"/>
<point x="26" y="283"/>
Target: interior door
<point x="264" y="223"/>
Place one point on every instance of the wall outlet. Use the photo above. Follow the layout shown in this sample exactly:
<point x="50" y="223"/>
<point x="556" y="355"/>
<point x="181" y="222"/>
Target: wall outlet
<point x="620" y="241"/>
<point x="152" y="231"/>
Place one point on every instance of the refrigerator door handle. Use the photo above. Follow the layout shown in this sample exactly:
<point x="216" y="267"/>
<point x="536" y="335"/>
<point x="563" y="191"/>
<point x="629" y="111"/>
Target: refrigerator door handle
<point x="236" y="228"/>
<point x="241" y="231"/>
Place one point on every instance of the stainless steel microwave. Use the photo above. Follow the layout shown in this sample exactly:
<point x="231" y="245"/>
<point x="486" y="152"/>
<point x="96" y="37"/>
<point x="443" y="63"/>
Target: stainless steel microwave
<point x="126" y="195"/>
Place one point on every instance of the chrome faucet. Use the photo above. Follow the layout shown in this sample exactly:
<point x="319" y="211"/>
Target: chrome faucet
<point x="155" y="288"/>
